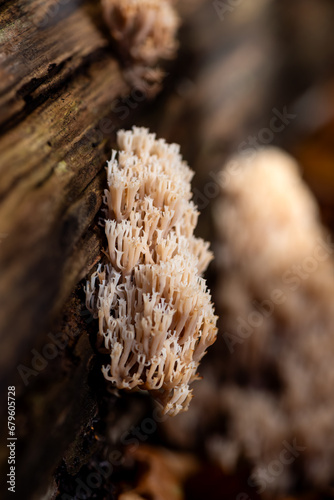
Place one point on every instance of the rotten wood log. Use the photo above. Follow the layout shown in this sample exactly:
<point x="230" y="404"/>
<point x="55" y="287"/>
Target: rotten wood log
<point x="49" y="158"/>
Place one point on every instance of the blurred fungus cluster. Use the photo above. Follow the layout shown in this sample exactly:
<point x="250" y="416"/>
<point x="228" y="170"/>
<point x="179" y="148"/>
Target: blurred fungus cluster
<point x="144" y="32"/>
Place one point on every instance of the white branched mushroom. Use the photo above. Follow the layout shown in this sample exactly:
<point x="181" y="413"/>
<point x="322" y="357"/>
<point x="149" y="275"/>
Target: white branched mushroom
<point x="155" y="314"/>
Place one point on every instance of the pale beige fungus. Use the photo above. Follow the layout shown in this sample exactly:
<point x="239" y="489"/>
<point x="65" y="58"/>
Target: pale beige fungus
<point x="144" y="29"/>
<point x="155" y="314"/>
<point x="276" y="291"/>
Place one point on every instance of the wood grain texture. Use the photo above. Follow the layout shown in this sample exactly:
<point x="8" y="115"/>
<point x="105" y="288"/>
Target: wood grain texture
<point x="52" y="150"/>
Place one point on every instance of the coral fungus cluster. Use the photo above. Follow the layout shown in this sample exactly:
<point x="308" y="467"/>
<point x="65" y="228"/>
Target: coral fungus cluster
<point x="144" y="29"/>
<point x="155" y="314"/>
<point x="276" y="290"/>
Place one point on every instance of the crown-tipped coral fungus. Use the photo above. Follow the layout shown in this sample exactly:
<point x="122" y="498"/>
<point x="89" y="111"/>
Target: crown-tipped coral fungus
<point x="155" y="314"/>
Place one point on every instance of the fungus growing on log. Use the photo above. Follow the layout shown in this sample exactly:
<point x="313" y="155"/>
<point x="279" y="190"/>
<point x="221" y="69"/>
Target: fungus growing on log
<point x="155" y="313"/>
